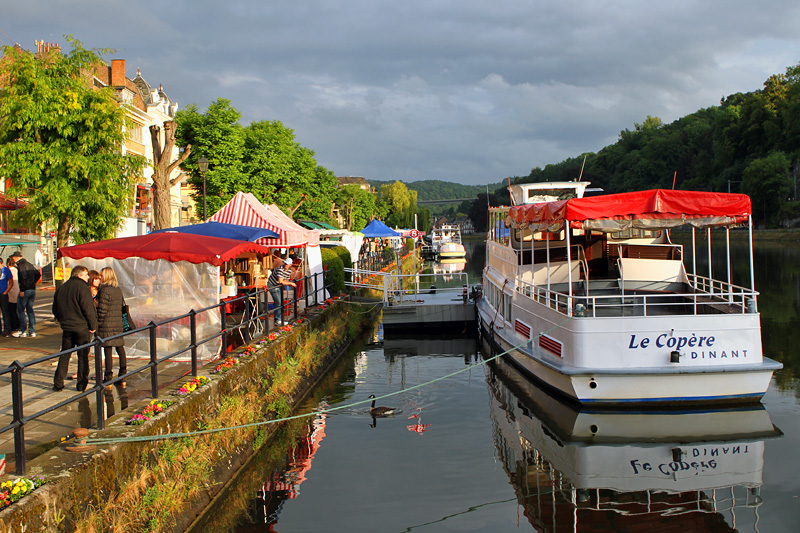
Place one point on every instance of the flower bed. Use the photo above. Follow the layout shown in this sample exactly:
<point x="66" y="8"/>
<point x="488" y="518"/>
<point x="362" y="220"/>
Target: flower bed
<point x="152" y="409"/>
<point x="191" y="386"/>
<point x="14" y="490"/>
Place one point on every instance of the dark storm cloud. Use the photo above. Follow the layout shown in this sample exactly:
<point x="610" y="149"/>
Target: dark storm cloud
<point x="469" y="91"/>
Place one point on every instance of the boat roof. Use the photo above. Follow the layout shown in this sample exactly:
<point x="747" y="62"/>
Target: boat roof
<point x="653" y="209"/>
<point x="547" y="191"/>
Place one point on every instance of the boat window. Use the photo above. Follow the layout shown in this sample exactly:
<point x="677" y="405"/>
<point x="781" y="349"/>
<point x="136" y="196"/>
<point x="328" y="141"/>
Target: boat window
<point x="633" y="233"/>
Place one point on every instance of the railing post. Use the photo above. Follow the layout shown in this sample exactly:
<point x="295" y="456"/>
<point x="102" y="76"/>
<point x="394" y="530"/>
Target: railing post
<point x="295" y="303"/>
<point x="19" y="428"/>
<point x="153" y="361"/>
<point x="193" y="339"/>
<point x="316" y="288"/>
<point x="223" y="328"/>
<point x="98" y="379"/>
<point x="304" y="281"/>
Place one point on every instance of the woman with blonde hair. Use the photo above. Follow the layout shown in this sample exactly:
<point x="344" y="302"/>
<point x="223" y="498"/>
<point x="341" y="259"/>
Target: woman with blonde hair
<point x="109" y="316"/>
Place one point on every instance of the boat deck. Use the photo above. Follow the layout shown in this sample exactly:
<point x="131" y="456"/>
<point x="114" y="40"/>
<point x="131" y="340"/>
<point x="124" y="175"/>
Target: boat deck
<point x="613" y="301"/>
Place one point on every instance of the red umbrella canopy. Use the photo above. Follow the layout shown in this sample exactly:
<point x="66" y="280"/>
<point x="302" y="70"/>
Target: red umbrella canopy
<point x="171" y="246"/>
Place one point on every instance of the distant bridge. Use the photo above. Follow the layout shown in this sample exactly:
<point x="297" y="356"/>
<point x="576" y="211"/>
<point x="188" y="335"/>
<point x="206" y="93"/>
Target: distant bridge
<point x="452" y="201"/>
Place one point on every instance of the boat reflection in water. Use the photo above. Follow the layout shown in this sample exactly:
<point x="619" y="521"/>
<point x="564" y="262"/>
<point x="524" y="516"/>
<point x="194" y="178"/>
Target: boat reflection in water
<point x="575" y="470"/>
<point x="284" y="483"/>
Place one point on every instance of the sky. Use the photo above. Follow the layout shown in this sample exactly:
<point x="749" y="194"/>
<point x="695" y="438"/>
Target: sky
<point x="458" y="90"/>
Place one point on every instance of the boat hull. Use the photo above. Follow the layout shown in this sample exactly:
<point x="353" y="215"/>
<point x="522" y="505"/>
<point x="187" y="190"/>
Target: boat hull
<point x="689" y="385"/>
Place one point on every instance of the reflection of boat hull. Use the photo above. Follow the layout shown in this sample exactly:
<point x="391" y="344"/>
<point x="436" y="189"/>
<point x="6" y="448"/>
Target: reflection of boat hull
<point x="601" y="468"/>
<point x="449" y="266"/>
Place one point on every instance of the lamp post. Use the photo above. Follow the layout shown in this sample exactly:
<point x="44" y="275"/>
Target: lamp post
<point x="202" y="164"/>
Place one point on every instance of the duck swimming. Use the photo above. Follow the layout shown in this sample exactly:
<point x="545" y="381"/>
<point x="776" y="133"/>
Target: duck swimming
<point x="380" y="411"/>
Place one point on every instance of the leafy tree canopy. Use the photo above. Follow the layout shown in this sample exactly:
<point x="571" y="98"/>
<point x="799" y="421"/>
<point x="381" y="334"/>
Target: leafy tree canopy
<point x="60" y="142"/>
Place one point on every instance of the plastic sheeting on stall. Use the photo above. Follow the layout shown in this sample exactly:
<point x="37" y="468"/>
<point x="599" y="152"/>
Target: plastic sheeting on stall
<point x="157" y="290"/>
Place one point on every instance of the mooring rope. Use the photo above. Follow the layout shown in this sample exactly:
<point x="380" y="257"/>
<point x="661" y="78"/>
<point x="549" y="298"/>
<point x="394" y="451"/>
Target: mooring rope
<point x="164" y="436"/>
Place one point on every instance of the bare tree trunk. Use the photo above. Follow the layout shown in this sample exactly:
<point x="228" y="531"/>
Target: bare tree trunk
<point x="163" y="168"/>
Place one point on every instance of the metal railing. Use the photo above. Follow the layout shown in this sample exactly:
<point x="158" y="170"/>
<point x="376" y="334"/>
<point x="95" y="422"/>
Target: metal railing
<point x="710" y="296"/>
<point x="253" y="319"/>
<point x="396" y="287"/>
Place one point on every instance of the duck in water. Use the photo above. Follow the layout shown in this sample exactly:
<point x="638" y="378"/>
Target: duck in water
<point x="380" y="411"/>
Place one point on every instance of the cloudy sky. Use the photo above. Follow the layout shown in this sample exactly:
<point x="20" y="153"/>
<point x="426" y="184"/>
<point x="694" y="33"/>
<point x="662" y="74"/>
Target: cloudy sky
<point x="460" y="90"/>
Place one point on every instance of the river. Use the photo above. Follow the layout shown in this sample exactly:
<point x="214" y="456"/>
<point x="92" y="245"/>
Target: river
<point x="476" y="448"/>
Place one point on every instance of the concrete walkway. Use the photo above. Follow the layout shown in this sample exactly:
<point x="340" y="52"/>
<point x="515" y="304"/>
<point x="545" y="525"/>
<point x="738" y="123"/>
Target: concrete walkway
<point x="37" y="387"/>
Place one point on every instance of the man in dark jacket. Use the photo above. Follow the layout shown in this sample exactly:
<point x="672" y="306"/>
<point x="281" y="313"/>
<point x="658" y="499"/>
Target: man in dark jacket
<point x="74" y="309"/>
<point x="28" y="275"/>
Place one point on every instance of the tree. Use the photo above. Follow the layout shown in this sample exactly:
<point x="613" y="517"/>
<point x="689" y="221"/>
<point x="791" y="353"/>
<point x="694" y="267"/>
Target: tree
<point x="356" y="206"/>
<point x="400" y="202"/>
<point x="217" y="135"/>
<point x="766" y="181"/>
<point x="163" y="167"/>
<point x="60" y="142"/>
<point x="263" y="159"/>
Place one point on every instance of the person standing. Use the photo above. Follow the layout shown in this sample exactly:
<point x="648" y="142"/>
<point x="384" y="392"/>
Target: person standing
<point x="109" y="322"/>
<point x="6" y="285"/>
<point x="28" y="276"/>
<point x="278" y="279"/>
<point x="74" y="310"/>
<point x="13" y="295"/>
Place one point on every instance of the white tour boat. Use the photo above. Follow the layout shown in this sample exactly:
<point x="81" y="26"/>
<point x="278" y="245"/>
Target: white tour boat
<point x="446" y="242"/>
<point x="590" y="296"/>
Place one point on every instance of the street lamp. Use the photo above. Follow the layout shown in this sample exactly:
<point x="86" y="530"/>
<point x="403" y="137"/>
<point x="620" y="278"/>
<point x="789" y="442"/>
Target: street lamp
<point x="202" y="164"/>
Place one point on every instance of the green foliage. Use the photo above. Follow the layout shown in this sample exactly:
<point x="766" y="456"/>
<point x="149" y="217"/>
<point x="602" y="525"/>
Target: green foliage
<point x="60" y="144"/>
<point x="766" y="181"/>
<point x="399" y="203"/>
<point x="334" y="270"/>
<point x="357" y="206"/>
<point x="263" y="159"/>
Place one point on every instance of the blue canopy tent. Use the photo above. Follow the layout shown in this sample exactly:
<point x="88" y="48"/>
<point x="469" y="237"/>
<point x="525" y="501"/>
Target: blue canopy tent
<point x="376" y="228"/>
<point x="228" y="231"/>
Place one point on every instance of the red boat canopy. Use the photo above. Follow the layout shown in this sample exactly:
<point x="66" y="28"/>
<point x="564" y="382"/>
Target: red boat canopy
<point x="654" y="209"/>
<point x="171" y="246"/>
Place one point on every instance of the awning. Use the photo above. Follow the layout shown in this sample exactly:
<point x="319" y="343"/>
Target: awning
<point x="244" y="209"/>
<point x="376" y="228"/>
<point x="653" y="209"/>
<point x="170" y="246"/>
<point x="226" y="231"/>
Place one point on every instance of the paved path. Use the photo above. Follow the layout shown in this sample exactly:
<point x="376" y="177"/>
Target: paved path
<point x="37" y="387"/>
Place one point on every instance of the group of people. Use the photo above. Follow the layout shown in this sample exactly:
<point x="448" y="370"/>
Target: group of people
<point x="89" y="303"/>
<point x="18" y="280"/>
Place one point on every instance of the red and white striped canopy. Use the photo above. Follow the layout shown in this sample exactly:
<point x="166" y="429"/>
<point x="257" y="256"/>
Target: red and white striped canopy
<point x="245" y="209"/>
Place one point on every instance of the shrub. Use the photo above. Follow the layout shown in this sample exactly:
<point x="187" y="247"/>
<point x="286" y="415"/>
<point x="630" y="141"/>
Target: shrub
<point x="334" y="270"/>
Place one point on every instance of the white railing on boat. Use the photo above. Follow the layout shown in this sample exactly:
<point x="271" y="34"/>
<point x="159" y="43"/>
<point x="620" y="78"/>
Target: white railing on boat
<point x="709" y="297"/>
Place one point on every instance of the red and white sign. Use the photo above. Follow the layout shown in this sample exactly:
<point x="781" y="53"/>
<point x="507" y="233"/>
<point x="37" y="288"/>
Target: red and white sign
<point x="413" y="234"/>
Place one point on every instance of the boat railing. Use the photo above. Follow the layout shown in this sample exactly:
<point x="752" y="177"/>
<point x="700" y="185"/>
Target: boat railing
<point x="720" y="298"/>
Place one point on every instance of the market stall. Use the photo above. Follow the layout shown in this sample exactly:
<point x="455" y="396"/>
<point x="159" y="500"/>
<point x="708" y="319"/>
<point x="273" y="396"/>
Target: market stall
<point x="164" y="275"/>
<point x="245" y="209"/>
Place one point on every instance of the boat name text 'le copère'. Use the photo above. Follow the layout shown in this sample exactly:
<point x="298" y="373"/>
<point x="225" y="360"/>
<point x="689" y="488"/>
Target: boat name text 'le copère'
<point x="665" y="340"/>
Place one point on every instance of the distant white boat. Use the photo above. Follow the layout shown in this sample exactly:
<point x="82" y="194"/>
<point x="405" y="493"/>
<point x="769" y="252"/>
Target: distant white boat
<point x="446" y="242"/>
<point x="590" y="297"/>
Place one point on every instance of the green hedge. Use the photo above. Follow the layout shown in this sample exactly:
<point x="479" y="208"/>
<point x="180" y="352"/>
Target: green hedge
<point x="334" y="268"/>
